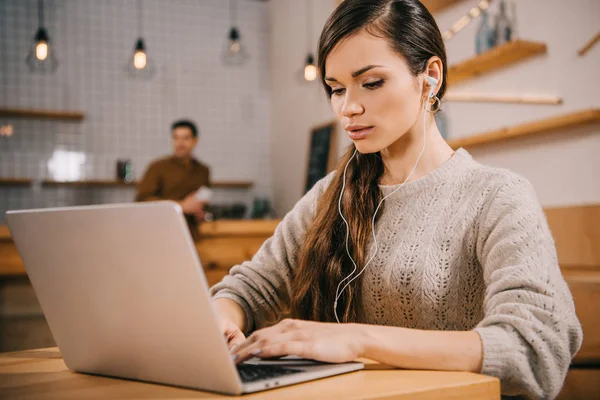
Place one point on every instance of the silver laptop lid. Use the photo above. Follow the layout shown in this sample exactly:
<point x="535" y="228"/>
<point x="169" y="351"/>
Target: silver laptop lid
<point x="123" y="292"/>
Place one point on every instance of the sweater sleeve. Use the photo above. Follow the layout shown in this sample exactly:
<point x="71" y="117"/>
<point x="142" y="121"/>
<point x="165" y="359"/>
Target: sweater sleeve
<point x="262" y="286"/>
<point x="529" y="331"/>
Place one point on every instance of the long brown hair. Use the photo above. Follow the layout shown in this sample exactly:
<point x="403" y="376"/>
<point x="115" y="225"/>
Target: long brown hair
<point x="322" y="260"/>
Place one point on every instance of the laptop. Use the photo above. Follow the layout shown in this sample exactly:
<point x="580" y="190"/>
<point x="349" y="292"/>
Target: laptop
<point x="125" y="296"/>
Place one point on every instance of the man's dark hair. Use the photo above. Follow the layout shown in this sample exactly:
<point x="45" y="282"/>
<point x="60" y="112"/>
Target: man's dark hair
<point x="184" y="123"/>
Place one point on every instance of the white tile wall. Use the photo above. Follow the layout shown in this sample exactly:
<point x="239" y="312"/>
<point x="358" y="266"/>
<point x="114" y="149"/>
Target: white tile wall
<point x="127" y="117"/>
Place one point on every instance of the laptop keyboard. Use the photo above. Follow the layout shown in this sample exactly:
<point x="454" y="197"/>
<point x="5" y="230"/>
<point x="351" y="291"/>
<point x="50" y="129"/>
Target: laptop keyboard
<point x="253" y="373"/>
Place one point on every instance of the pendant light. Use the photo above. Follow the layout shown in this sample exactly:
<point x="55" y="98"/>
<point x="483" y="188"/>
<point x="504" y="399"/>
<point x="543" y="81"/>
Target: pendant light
<point x="6" y="130"/>
<point x="140" y="64"/>
<point x="234" y="52"/>
<point x="6" y="127"/>
<point x="41" y="57"/>
<point x="310" y="69"/>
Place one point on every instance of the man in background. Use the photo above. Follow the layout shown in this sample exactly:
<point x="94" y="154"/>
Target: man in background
<point x="178" y="176"/>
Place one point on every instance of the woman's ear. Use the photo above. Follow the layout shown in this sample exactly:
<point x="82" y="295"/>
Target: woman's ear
<point x="435" y="70"/>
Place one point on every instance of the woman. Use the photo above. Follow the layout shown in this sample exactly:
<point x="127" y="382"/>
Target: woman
<point x="460" y="272"/>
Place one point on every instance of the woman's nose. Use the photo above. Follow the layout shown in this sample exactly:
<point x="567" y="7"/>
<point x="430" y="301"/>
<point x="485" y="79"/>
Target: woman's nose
<point x="351" y="106"/>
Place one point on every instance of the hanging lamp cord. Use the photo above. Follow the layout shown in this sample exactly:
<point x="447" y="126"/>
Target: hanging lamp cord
<point x="140" y="18"/>
<point x="308" y="26"/>
<point x="40" y="13"/>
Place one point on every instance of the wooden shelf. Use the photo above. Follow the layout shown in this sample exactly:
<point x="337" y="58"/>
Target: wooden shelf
<point x="15" y="181"/>
<point x="529" y="129"/>
<point x="437" y="5"/>
<point x="116" y="183"/>
<point x="496" y="58"/>
<point x="87" y="183"/>
<point x="41" y="114"/>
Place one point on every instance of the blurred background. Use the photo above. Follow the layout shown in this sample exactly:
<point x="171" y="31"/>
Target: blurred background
<point x="86" y="85"/>
<point x="255" y="112"/>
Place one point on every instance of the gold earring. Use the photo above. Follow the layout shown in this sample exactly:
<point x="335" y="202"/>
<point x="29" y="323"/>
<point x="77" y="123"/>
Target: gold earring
<point x="432" y="105"/>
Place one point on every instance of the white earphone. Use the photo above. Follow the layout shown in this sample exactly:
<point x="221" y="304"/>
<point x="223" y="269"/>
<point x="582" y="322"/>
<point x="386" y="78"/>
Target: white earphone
<point x="338" y="293"/>
<point x="433" y="83"/>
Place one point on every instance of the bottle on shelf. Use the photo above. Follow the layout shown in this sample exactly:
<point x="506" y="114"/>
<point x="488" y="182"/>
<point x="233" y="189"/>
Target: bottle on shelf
<point x="484" y="39"/>
<point x="513" y="20"/>
<point x="502" y="28"/>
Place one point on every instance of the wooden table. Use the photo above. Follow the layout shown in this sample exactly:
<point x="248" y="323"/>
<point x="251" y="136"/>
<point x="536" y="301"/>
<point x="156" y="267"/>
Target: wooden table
<point x="37" y="374"/>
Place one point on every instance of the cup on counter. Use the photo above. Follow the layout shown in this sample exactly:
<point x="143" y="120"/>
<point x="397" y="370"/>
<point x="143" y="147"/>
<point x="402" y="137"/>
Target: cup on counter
<point x="204" y="194"/>
<point x="125" y="171"/>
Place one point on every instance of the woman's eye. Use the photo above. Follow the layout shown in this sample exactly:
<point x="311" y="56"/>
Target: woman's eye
<point x="337" y="92"/>
<point x="374" y="85"/>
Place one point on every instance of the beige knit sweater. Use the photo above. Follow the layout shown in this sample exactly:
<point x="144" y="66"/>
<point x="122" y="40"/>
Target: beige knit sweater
<point x="464" y="247"/>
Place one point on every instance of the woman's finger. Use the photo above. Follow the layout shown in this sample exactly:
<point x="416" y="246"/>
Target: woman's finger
<point x="280" y="349"/>
<point x="234" y="341"/>
<point x="258" y="336"/>
<point x="250" y="347"/>
<point x="258" y="346"/>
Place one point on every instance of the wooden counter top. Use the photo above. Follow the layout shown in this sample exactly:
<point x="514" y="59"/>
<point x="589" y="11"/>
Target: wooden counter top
<point x="223" y="244"/>
<point x="37" y="374"/>
<point x="225" y="227"/>
<point x="4" y="233"/>
<point x="239" y="227"/>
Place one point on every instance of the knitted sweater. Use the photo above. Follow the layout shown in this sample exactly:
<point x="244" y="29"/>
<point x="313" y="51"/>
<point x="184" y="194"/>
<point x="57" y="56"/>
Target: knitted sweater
<point x="466" y="247"/>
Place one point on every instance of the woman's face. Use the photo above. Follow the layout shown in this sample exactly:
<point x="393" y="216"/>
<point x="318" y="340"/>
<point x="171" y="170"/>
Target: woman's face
<point x="374" y="94"/>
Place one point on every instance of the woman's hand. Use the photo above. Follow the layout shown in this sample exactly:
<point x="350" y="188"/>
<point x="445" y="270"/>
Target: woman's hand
<point x="231" y="320"/>
<point x="327" y="342"/>
<point x="231" y="332"/>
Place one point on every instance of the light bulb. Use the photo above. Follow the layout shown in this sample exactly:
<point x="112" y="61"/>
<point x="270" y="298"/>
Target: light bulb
<point x="41" y="50"/>
<point x="234" y="46"/>
<point x="310" y="72"/>
<point x="139" y="59"/>
<point x="6" y="130"/>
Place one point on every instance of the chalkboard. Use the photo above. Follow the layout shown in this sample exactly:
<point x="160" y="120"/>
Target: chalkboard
<point x="321" y="153"/>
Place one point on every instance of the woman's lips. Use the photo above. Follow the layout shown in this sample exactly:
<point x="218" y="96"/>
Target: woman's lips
<point x="359" y="134"/>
